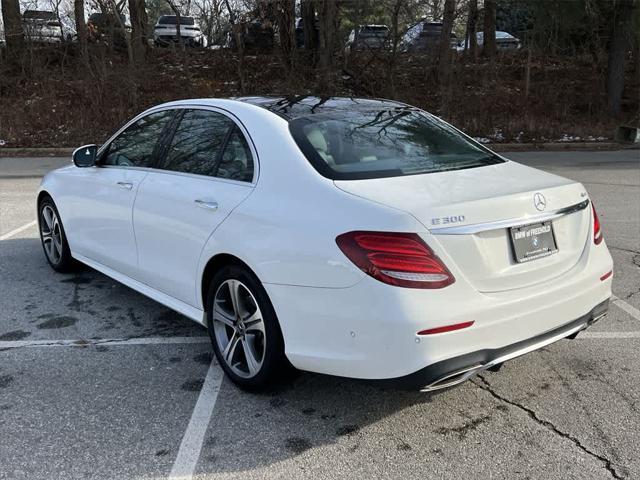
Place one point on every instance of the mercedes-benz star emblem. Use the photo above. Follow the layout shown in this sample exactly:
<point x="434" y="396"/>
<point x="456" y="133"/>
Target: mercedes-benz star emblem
<point x="539" y="201"/>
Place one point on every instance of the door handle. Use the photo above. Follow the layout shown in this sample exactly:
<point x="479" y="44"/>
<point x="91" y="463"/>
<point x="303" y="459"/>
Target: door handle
<point x="207" y="204"/>
<point x="125" y="185"/>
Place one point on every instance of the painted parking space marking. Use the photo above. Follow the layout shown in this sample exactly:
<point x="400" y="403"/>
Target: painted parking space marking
<point x="630" y="309"/>
<point x="193" y="438"/>
<point x="17" y="230"/>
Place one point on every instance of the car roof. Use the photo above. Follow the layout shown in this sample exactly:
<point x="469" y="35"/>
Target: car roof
<point x="291" y="107"/>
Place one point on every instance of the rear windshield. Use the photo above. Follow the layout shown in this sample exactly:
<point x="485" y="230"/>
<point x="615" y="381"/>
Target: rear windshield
<point x="353" y="145"/>
<point x="173" y="20"/>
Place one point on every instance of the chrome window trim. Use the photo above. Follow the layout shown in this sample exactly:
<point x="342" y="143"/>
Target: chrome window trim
<point x="227" y="113"/>
<point x="511" y="222"/>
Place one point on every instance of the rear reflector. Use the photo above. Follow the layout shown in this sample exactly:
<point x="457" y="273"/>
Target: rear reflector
<point x="400" y="259"/>
<point x="606" y="275"/>
<point x="446" y="328"/>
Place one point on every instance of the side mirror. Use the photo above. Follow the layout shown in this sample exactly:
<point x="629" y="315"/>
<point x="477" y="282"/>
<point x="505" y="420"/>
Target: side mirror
<point x="85" y="156"/>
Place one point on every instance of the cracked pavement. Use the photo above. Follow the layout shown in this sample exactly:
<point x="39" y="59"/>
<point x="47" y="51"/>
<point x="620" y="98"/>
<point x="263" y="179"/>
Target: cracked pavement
<point x="97" y="381"/>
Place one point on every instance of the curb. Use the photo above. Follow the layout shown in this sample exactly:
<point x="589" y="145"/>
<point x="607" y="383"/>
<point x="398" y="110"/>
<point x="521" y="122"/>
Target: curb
<point x="560" y="146"/>
<point x="36" y="152"/>
<point x="498" y="147"/>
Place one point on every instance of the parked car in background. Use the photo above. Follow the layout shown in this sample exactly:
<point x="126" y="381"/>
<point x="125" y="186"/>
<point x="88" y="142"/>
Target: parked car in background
<point x="424" y="37"/>
<point x="257" y="36"/>
<point x="41" y="26"/>
<point x="368" y="37"/>
<point x="108" y="28"/>
<point x="165" y="32"/>
<point x="504" y="42"/>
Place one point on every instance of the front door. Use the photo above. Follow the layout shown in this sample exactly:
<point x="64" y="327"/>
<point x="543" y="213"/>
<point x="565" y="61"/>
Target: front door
<point x="99" y="203"/>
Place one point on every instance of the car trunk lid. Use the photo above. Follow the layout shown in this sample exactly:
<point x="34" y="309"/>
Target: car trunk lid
<point x="470" y="213"/>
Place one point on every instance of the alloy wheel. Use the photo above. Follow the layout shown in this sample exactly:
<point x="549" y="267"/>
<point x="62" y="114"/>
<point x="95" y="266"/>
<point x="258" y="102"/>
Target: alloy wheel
<point x="239" y="328"/>
<point x="51" y="233"/>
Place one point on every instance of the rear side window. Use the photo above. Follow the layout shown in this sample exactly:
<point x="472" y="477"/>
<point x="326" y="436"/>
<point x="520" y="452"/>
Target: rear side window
<point x="135" y="146"/>
<point x="209" y="143"/>
<point x="236" y="162"/>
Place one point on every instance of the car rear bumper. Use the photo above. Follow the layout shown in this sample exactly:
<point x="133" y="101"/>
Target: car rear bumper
<point x="453" y="371"/>
<point x="370" y="330"/>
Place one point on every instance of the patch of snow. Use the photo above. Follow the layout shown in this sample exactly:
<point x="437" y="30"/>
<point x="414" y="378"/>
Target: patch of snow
<point x="2" y="143"/>
<point x="482" y="140"/>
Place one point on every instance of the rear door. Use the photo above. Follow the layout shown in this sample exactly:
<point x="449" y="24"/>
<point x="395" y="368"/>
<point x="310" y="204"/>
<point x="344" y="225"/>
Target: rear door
<point x="206" y="169"/>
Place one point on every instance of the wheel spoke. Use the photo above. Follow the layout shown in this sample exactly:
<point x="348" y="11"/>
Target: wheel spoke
<point x="47" y="215"/>
<point x="230" y="349"/>
<point x="220" y="315"/>
<point x="254" y="323"/>
<point x="234" y="289"/>
<point x="253" y="365"/>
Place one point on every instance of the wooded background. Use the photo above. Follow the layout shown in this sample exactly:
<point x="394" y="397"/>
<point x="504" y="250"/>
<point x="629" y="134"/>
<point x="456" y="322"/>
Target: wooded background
<point x="576" y="77"/>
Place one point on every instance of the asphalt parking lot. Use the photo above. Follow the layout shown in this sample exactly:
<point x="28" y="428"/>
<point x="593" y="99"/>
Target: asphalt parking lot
<point x="97" y="381"/>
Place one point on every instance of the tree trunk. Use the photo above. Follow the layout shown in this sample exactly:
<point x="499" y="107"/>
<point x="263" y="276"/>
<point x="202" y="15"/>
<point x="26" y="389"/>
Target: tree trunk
<point x="81" y="29"/>
<point x="472" y="27"/>
<point x="489" y="40"/>
<point x="308" y="13"/>
<point x="237" y="30"/>
<point x="286" y="30"/>
<point x="444" y="49"/>
<point x="138" y="29"/>
<point x="328" y="14"/>
<point x="617" y="51"/>
<point x="176" y="12"/>
<point x="13" y="33"/>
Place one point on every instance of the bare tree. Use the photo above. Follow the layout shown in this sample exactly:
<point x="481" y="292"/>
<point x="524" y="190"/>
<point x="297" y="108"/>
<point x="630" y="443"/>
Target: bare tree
<point x="489" y="40"/>
<point x="618" y="46"/>
<point x="176" y="11"/>
<point x="471" y="43"/>
<point x="13" y="32"/>
<point x="81" y="29"/>
<point x="308" y="14"/>
<point x="286" y="10"/>
<point x="237" y="29"/>
<point x="328" y="15"/>
<point x="444" y="49"/>
<point x="137" y="11"/>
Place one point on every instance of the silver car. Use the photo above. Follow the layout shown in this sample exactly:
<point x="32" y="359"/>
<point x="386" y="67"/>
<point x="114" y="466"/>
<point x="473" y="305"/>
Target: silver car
<point x="165" y="31"/>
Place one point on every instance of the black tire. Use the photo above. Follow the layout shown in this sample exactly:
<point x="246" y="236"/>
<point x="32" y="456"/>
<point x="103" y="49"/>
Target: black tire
<point x="64" y="262"/>
<point x="275" y="368"/>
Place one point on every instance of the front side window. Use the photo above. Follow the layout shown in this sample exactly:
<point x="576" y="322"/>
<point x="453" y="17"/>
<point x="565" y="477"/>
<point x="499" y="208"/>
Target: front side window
<point x="135" y="146"/>
<point x="359" y="144"/>
<point x="198" y="143"/>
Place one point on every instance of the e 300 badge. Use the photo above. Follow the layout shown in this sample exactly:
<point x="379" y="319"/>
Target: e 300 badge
<point x="447" y="220"/>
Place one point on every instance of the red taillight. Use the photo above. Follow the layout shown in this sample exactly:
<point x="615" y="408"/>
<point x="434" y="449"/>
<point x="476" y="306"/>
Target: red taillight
<point x="597" y="232"/>
<point x="400" y="259"/>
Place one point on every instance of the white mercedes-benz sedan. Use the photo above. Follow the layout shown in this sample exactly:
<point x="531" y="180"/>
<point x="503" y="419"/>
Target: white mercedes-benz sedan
<point x="351" y="237"/>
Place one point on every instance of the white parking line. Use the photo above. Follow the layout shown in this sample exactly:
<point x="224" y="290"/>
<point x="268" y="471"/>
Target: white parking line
<point x="191" y="445"/>
<point x="17" y="230"/>
<point x="103" y="341"/>
<point x="630" y="309"/>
